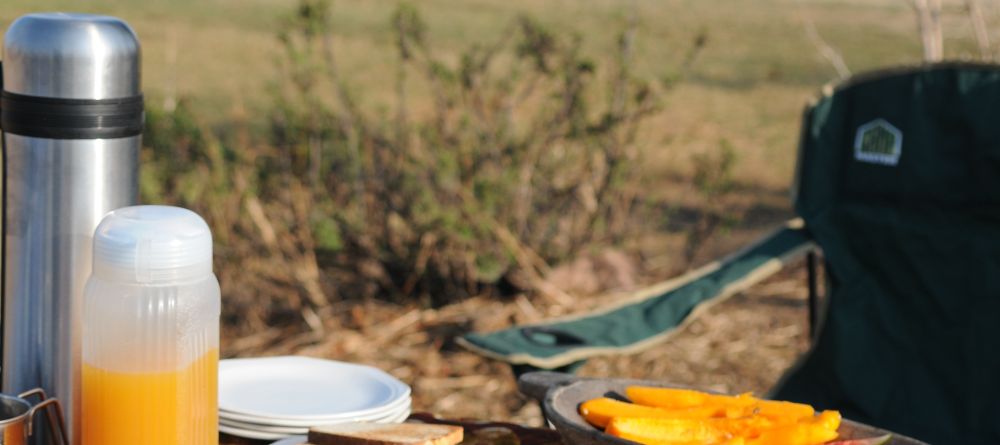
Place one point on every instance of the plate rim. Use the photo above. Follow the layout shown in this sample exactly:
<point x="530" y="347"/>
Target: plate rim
<point x="248" y="434"/>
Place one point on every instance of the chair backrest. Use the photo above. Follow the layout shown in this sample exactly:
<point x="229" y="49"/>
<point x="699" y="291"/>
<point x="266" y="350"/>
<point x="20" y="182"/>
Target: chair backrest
<point x="899" y="183"/>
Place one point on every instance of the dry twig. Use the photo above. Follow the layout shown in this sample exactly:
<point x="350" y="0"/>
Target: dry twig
<point x="929" y="26"/>
<point x="825" y="49"/>
<point x="979" y="26"/>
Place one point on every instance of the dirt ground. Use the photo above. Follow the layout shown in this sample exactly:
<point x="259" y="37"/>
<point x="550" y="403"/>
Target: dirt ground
<point x="742" y="344"/>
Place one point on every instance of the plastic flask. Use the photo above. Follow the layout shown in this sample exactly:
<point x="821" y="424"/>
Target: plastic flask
<point x="151" y="331"/>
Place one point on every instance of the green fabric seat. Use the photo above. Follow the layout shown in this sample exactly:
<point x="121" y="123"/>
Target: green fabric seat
<point x="898" y="183"/>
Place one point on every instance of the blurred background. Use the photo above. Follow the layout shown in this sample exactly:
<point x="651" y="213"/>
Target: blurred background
<point x="383" y="176"/>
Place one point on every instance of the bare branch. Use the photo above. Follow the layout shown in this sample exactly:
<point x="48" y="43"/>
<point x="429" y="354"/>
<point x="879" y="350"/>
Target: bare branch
<point x="979" y="26"/>
<point x="825" y="49"/>
<point x="929" y="26"/>
<point x="625" y="50"/>
<point x="937" y="35"/>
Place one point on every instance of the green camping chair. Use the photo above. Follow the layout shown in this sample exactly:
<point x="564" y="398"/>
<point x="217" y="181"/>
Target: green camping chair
<point x="898" y="183"/>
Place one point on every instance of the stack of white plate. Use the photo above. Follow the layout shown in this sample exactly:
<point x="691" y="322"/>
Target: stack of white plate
<point x="276" y="397"/>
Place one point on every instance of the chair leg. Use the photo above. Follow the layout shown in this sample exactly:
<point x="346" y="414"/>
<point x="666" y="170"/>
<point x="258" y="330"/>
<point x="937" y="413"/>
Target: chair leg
<point x="813" y="293"/>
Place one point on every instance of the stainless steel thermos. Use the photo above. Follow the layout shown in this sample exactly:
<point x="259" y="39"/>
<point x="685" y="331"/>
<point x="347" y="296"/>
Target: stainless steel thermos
<point x="71" y="112"/>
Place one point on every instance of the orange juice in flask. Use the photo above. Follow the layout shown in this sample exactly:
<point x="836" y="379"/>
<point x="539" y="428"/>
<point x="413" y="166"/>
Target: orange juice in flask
<point x="151" y="331"/>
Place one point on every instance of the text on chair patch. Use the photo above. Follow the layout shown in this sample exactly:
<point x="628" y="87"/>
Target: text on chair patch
<point x="878" y="142"/>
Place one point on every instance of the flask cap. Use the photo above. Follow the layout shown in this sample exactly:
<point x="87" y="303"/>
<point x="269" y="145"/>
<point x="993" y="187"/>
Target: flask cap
<point x="71" y="76"/>
<point x="152" y="244"/>
<point x="71" y="56"/>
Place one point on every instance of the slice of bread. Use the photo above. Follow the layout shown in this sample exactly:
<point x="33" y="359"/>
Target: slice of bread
<point x="385" y="434"/>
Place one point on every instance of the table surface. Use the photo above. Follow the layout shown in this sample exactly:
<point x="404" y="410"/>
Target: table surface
<point x="476" y="433"/>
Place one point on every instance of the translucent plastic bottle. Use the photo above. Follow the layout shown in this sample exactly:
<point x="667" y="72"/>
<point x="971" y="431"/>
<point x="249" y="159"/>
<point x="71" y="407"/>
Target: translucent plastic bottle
<point x="151" y="331"/>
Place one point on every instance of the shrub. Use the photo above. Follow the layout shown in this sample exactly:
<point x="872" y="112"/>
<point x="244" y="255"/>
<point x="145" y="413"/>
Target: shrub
<point x="526" y="156"/>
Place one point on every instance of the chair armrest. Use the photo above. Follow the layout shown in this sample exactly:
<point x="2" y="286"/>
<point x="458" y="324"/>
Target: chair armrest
<point x="647" y="317"/>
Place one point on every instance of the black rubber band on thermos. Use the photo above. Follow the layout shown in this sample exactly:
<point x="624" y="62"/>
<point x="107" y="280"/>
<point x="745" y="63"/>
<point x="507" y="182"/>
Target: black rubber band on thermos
<point x="56" y="118"/>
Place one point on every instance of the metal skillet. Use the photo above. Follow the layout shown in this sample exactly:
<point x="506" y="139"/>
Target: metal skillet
<point x="561" y="395"/>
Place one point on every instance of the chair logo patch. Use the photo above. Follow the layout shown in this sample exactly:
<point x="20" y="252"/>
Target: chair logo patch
<point x="878" y="142"/>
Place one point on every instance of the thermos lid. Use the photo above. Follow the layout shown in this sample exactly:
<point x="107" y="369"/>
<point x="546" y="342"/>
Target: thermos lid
<point x="152" y="244"/>
<point x="71" y="56"/>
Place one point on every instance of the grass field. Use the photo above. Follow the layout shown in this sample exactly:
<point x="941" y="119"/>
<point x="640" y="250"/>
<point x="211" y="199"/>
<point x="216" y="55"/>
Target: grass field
<point x="746" y="87"/>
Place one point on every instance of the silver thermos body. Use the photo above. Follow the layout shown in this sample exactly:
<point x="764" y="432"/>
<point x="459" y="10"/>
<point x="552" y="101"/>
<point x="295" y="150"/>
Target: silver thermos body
<point x="71" y="112"/>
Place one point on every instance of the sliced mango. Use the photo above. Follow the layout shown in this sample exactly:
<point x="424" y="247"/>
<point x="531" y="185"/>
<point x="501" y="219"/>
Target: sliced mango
<point x="807" y="431"/>
<point x="668" y="416"/>
<point x="733" y="406"/>
<point x="600" y="411"/>
<point x="750" y="426"/>
<point x="794" y="434"/>
<point x="784" y="410"/>
<point x="733" y="441"/>
<point x="829" y="419"/>
<point x="683" y="398"/>
<point x="651" y="430"/>
<point x="666" y="397"/>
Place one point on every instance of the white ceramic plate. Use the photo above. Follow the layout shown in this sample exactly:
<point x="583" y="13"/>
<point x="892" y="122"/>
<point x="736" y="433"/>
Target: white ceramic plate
<point x="397" y="418"/>
<point x="307" y="389"/>
<point x="264" y="428"/>
<point x="387" y="411"/>
<point x="251" y="434"/>
<point x="300" y="426"/>
<point x="266" y="435"/>
<point x="294" y="440"/>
